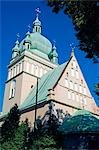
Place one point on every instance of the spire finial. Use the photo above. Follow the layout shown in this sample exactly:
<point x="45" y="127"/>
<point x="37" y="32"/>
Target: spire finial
<point x="73" y="48"/>
<point x="37" y="10"/>
<point x="29" y="28"/>
<point x="37" y="22"/>
<point x="54" y="43"/>
<point x="18" y="35"/>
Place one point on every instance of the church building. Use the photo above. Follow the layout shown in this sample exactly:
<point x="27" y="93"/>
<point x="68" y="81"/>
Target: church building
<point x="36" y="80"/>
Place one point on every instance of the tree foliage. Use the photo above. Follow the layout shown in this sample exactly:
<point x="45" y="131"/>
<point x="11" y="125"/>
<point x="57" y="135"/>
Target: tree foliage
<point x="44" y="143"/>
<point x="85" y="18"/>
<point x="19" y="140"/>
<point x="10" y="124"/>
<point x="16" y="135"/>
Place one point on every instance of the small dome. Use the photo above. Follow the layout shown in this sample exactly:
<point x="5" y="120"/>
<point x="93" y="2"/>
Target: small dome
<point x="55" y="54"/>
<point x="27" y="39"/>
<point x="16" y="47"/>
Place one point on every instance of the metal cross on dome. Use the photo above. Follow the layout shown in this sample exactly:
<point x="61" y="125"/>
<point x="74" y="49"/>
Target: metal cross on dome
<point x="72" y="46"/>
<point x="18" y="35"/>
<point x="54" y="42"/>
<point x="29" y="27"/>
<point x="37" y="11"/>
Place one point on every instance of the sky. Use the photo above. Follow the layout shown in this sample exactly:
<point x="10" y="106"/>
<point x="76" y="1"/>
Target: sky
<point x="17" y="15"/>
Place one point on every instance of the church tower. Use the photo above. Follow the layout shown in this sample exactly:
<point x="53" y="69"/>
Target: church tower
<point x="31" y="58"/>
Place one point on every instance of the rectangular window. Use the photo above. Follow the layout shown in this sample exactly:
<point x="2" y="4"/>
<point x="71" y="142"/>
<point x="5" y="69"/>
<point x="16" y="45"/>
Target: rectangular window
<point x="85" y="102"/>
<point x="72" y="72"/>
<point x="36" y="70"/>
<point x="73" y="96"/>
<point x="84" y="90"/>
<point x="20" y="66"/>
<point x="66" y="82"/>
<point x="32" y="69"/>
<point x="9" y="74"/>
<point x="69" y="95"/>
<point x="14" y="71"/>
<point x="74" y="64"/>
<point x="75" y="86"/>
<point x="80" y="88"/>
<point x="12" y="89"/>
<point x="41" y="72"/>
<point x="27" y="67"/>
<point x="71" y="84"/>
<point x="77" y="74"/>
<point x="17" y="69"/>
<point x="77" y="98"/>
<point x="81" y="100"/>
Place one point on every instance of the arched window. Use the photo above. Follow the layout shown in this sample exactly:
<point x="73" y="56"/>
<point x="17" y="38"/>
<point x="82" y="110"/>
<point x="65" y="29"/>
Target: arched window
<point x="28" y="46"/>
<point x="12" y="88"/>
<point x="36" y="29"/>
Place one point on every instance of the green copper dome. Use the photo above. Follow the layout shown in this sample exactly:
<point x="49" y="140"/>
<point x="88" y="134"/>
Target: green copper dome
<point x="27" y="39"/>
<point x="38" y="42"/>
<point x="81" y="122"/>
